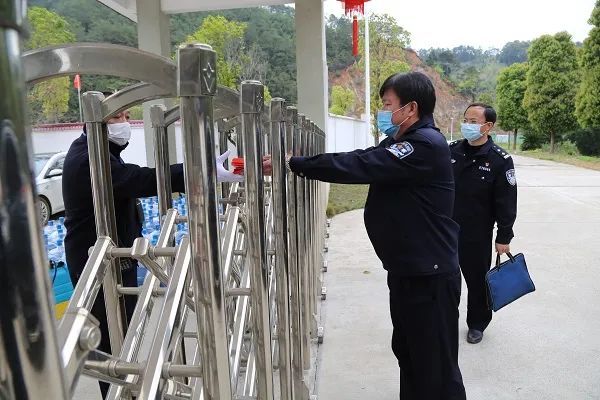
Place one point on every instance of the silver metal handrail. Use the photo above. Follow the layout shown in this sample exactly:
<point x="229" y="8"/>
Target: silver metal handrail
<point x="242" y="287"/>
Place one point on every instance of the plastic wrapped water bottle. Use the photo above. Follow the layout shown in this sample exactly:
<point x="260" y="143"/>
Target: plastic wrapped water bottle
<point x="57" y="253"/>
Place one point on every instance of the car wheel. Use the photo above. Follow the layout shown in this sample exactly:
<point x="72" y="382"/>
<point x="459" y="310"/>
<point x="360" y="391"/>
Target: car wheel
<point x="45" y="210"/>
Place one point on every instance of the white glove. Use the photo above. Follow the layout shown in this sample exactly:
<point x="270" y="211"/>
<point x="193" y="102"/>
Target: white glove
<point x="224" y="175"/>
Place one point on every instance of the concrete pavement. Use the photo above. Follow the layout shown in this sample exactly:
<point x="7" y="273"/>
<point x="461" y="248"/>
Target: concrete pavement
<point x="545" y="346"/>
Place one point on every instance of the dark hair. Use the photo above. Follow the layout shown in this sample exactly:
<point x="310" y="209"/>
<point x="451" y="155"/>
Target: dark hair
<point x="412" y="86"/>
<point x="488" y="111"/>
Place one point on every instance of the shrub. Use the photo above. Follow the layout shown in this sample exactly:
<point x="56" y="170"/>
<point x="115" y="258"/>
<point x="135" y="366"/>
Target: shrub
<point x="533" y="141"/>
<point x="587" y="141"/>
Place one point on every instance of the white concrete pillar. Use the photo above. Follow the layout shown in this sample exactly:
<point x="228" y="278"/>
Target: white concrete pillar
<point x="154" y="36"/>
<point x="311" y="61"/>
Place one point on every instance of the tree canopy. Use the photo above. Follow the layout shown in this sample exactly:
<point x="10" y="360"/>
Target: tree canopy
<point x="552" y="82"/>
<point x="588" y="97"/>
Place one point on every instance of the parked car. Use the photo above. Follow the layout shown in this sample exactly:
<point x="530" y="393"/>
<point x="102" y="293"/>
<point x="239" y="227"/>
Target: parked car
<point x="48" y="179"/>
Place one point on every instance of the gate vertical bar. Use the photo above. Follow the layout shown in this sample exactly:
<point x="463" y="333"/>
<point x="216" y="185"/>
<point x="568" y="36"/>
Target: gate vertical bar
<point x="300" y="134"/>
<point x="197" y="85"/>
<point x="161" y="158"/>
<point x="252" y="103"/>
<point x="282" y="267"/>
<point x="295" y="271"/>
<point x="30" y="364"/>
<point x="104" y="213"/>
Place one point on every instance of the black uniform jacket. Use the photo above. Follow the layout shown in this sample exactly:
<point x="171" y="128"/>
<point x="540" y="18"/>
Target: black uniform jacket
<point x="411" y="197"/>
<point x="129" y="181"/>
<point x="486" y="191"/>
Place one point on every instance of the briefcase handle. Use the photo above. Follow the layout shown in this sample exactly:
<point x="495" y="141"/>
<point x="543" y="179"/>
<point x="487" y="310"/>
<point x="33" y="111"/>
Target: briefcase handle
<point x="510" y="256"/>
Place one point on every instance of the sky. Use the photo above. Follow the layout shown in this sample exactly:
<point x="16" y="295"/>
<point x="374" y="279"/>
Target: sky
<point x="485" y="24"/>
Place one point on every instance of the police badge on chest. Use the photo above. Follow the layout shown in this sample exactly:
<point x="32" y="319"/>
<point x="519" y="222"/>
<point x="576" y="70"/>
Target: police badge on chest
<point x="485" y="167"/>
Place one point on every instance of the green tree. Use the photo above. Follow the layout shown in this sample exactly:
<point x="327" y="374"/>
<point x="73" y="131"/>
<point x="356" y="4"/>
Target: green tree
<point x="552" y="81"/>
<point x="470" y="85"/>
<point x="510" y="92"/>
<point x="225" y="37"/>
<point x="387" y="42"/>
<point x="342" y="100"/>
<point x="235" y="62"/>
<point x="514" y="52"/>
<point x="588" y="97"/>
<point x="48" y="28"/>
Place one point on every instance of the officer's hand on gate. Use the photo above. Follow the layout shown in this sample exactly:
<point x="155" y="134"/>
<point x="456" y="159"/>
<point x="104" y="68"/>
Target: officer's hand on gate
<point x="267" y="165"/>
<point x="502" y="248"/>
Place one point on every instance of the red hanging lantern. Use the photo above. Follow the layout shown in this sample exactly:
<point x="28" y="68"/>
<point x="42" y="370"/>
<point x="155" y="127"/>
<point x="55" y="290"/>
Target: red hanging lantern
<point x="354" y="8"/>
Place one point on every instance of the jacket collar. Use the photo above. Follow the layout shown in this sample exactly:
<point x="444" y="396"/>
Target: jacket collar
<point x="425" y="121"/>
<point x="483" y="150"/>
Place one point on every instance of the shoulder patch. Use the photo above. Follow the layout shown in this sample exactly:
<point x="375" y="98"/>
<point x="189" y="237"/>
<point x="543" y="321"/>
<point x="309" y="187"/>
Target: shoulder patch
<point x="454" y="143"/>
<point x="401" y="150"/>
<point x="511" y="177"/>
<point x="501" y="152"/>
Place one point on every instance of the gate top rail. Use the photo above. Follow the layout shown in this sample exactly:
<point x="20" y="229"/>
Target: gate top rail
<point x="100" y="59"/>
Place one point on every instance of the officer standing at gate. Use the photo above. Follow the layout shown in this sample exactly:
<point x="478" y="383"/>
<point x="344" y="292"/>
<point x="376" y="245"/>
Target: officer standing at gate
<point x="408" y="219"/>
<point x="486" y="194"/>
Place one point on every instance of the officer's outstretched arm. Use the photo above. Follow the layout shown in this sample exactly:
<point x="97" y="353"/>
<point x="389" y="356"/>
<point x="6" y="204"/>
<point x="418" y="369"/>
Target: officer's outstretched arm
<point x="505" y="202"/>
<point x="399" y="163"/>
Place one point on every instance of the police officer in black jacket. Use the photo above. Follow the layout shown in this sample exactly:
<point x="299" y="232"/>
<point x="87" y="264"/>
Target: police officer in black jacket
<point x="408" y="216"/>
<point x="486" y="194"/>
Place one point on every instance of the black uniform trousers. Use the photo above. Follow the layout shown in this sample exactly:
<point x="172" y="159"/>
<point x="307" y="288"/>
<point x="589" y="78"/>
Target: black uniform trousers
<point x="475" y="258"/>
<point x="424" y="312"/>
<point x="99" y="311"/>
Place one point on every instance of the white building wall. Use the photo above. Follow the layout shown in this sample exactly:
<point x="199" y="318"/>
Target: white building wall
<point x="347" y="134"/>
<point x="344" y="134"/>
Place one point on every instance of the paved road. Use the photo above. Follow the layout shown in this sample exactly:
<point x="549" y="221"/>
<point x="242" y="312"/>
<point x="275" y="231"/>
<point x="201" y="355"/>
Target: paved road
<point x="544" y="347"/>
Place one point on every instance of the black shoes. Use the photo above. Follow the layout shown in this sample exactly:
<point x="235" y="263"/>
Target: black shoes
<point x="474" y="336"/>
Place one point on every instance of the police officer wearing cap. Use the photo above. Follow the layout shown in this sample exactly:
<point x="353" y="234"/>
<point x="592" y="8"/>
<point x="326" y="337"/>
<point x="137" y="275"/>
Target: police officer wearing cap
<point x="486" y="194"/>
<point x="408" y="217"/>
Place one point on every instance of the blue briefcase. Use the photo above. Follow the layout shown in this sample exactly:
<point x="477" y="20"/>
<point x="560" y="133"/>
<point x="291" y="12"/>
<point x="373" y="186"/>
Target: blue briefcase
<point x="508" y="281"/>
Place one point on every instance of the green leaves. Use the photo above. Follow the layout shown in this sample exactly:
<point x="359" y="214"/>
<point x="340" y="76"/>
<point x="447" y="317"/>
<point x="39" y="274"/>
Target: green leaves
<point x="342" y="100"/>
<point x="48" y="28"/>
<point x="510" y="91"/>
<point x="588" y="96"/>
<point x="235" y="62"/>
<point x="552" y="83"/>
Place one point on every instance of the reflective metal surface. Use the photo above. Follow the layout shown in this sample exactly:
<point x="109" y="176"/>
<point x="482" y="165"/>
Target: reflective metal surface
<point x="253" y="253"/>
<point x="197" y="85"/>
<point x="30" y="365"/>
<point x="252" y="103"/>
<point x="102" y="192"/>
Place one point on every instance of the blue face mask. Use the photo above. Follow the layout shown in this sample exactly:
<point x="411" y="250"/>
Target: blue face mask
<point x="385" y="124"/>
<point x="471" y="132"/>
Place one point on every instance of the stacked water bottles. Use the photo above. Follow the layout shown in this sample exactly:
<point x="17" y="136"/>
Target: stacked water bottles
<point x="151" y="228"/>
<point x="55" y="231"/>
<point x="54" y="236"/>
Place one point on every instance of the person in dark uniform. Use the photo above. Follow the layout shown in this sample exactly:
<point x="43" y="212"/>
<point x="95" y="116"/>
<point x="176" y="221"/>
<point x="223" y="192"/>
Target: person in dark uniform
<point x="408" y="217"/>
<point x="486" y="194"/>
<point x="130" y="182"/>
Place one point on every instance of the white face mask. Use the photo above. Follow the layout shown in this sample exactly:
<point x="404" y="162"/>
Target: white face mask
<point x="119" y="133"/>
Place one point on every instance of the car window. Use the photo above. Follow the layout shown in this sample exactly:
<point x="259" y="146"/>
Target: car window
<point x="39" y="162"/>
<point x="59" y="163"/>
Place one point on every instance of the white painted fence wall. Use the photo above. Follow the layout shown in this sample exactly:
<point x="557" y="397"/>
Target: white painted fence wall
<point x="57" y="138"/>
<point x="347" y="134"/>
<point x="344" y="134"/>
